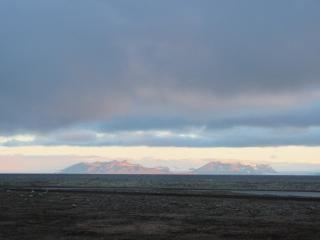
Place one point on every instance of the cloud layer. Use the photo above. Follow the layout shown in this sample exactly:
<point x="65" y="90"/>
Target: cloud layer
<point x="99" y="72"/>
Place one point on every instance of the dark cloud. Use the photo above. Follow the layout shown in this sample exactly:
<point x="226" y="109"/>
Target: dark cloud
<point x="168" y="65"/>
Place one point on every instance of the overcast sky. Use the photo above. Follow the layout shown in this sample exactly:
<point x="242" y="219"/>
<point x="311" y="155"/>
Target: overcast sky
<point x="181" y="73"/>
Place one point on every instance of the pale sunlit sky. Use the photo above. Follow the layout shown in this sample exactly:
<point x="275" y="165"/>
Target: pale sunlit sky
<point x="53" y="159"/>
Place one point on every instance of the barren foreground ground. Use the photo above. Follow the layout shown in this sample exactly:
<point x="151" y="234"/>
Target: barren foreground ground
<point x="40" y="207"/>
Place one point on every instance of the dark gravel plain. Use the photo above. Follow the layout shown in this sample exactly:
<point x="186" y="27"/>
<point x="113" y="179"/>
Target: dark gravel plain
<point x="33" y="214"/>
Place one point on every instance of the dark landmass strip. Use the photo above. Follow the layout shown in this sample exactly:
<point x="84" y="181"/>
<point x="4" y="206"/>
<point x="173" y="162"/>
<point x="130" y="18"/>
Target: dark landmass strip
<point x="187" y="207"/>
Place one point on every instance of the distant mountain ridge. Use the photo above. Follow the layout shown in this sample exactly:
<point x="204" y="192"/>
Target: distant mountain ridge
<point x="113" y="167"/>
<point x="125" y="167"/>
<point x="217" y="167"/>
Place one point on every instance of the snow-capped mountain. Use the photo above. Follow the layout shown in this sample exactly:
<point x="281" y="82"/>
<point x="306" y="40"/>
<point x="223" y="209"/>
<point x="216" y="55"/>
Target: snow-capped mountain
<point x="113" y="167"/>
<point x="217" y="167"/>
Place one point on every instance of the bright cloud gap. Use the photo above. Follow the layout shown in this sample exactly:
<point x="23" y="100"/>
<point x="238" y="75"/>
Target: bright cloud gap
<point x="193" y="137"/>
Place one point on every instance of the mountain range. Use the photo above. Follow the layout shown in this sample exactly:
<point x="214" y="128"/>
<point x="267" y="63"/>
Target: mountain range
<point x="125" y="167"/>
<point x="217" y="167"/>
<point x="114" y="167"/>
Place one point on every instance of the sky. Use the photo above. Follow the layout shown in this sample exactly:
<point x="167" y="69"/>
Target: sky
<point x="159" y="80"/>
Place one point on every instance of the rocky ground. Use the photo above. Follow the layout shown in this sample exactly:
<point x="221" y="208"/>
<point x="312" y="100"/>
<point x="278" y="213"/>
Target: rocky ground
<point x="80" y="215"/>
